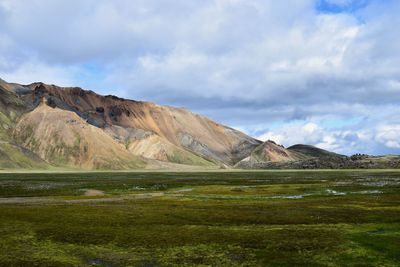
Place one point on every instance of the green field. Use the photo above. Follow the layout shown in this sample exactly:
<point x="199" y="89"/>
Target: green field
<point x="272" y="218"/>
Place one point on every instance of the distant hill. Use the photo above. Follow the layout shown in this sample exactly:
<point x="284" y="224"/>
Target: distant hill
<point x="270" y="152"/>
<point x="312" y="151"/>
<point x="311" y="157"/>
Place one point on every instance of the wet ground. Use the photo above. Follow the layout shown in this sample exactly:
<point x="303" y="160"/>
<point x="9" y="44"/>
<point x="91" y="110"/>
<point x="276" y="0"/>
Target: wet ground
<point x="293" y="218"/>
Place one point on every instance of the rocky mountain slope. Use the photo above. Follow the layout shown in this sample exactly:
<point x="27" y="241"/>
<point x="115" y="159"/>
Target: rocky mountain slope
<point x="313" y="152"/>
<point x="269" y="155"/>
<point x="270" y="152"/>
<point x="13" y="155"/>
<point x="46" y="126"/>
<point x="63" y="138"/>
<point x="73" y="127"/>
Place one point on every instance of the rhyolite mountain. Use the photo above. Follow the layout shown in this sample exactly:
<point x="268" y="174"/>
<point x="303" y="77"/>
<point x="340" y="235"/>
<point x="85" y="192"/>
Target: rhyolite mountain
<point x="72" y="127"/>
<point x="44" y="126"/>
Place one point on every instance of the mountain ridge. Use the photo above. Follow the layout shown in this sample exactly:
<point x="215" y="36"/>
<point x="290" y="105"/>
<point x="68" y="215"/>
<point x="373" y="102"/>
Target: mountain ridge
<point x="179" y="135"/>
<point x="76" y="128"/>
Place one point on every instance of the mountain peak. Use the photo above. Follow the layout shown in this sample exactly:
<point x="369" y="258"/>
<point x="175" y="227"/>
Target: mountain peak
<point x="142" y="129"/>
<point x="73" y="127"/>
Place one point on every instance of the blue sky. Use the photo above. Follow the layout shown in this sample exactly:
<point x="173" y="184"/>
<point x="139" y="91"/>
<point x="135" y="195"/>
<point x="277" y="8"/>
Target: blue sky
<point x="322" y="72"/>
<point x="341" y="6"/>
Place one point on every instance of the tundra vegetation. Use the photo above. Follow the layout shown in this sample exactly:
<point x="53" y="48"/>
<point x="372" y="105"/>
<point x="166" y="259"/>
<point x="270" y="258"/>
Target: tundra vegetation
<point x="258" y="218"/>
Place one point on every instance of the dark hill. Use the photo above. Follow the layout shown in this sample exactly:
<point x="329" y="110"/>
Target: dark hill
<point x="313" y="151"/>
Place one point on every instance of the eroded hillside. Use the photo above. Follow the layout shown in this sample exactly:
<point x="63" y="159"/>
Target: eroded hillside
<point x="78" y="128"/>
<point x="44" y="126"/>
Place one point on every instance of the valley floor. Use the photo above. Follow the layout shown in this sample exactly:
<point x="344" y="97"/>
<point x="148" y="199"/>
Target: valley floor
<point x="234" y="218"/>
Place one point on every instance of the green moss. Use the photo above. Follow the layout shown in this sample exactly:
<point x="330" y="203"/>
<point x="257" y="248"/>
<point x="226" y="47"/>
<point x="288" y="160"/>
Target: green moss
<point x="77" y="142"/>
<point x="24" y="135"/>
<point x="382" y="241"/>
<point x="188" y="225"/>
<point x="6" y="126"/>
<point x="185" y="157"/>
<point x="127" y="142"/>
<point x="16" y="157"/>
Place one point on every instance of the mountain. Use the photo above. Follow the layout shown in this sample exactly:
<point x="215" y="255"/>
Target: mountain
<point x="13" y="155"/>
<point x="313" y="152"/>
<point x="270" y="152"/>
<point x="16" y="157"/>
<point x="45" y="126"/>
<point x="72" y="127"/>
<point x="63" y="138"/>
<point x="270" y="155"/>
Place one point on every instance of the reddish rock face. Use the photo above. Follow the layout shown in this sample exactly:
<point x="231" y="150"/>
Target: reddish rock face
<point x="175" y="130"/>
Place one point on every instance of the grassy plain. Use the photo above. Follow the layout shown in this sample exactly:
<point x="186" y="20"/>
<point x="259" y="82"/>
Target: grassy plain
<point x="262" y="218"/>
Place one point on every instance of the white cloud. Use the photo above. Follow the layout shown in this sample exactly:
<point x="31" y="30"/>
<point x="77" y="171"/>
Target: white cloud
<point x="389" y="135"/>
<point x="250" y="63"/>
<point x="304" y="133"/>
<point x="29" y="72"/>
<point x="346" y="141"/>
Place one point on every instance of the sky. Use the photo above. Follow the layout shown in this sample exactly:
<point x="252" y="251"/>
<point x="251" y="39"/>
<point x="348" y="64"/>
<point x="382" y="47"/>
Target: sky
<point x="320" y="72"/>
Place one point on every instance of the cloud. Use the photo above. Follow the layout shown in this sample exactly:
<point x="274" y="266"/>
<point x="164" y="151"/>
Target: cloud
<point x="252" y="64"/>
<point x="307" y="133"/>
<point x="389" y="135"/>
<point x="369" y="140"/>
<point x="28" y="72"/>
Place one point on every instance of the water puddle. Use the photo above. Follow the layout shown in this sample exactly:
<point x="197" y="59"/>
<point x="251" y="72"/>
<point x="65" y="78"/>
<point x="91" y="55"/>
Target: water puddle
<point x="334" y="192"/>
<point x="290" y="197"/>
<point x="184" y="190"/>
<point x="366" y="192"/>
